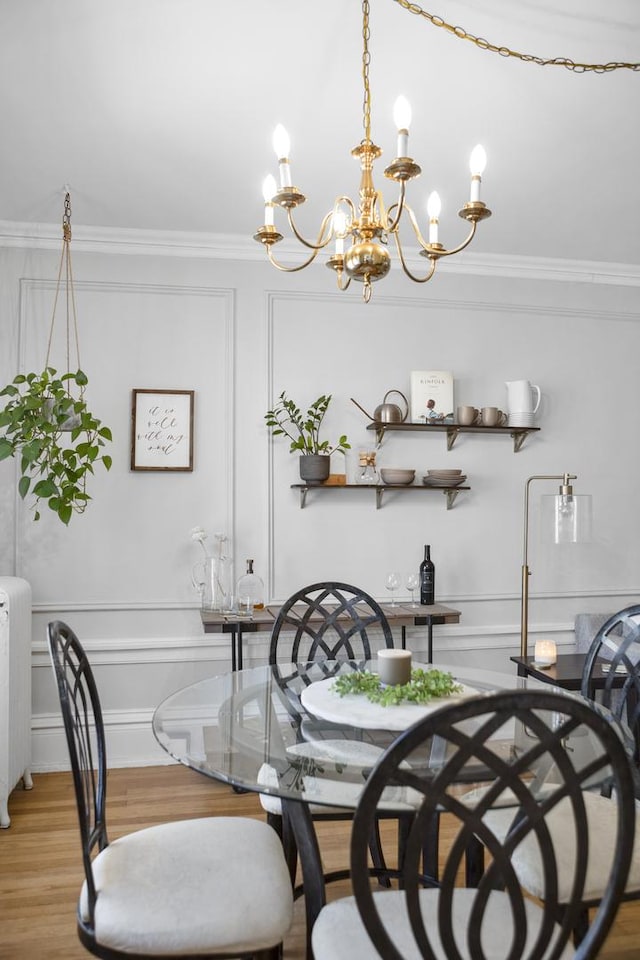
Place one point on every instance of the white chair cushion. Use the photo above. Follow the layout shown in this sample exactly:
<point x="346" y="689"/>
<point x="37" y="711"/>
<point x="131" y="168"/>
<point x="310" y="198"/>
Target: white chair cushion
<point x="339" y="934"/>
<point x="195" y="886"/>
<point x="602" y="823"/>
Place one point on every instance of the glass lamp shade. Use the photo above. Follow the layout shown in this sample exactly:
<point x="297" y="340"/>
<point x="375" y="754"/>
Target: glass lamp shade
<point x="565" y="518"/>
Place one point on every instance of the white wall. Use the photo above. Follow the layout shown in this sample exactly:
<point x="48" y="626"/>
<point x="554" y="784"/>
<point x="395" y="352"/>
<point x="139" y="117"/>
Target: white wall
<point x="238" y="333"/>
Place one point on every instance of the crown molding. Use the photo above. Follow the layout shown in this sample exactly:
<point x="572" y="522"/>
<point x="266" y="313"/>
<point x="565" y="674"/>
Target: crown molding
<point x="217" y="246"/>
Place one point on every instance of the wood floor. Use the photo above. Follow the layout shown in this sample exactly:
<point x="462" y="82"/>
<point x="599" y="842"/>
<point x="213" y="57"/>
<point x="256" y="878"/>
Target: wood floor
<point x="41" y="873"/>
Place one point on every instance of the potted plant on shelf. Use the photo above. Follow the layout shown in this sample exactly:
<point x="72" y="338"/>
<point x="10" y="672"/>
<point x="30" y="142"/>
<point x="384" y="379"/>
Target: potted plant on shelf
<point x="56" y="437"/>
<point x="303" y="430"/>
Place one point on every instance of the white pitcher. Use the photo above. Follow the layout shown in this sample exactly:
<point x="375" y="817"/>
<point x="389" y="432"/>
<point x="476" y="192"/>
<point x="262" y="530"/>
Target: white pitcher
<point x="522" y="396"/>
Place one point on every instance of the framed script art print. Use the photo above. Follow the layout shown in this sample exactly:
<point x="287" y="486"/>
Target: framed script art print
<point x="162" y="430"/>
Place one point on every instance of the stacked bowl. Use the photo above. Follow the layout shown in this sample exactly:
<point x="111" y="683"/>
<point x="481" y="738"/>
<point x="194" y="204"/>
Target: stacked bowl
<point x="397" y="477"/>
<point x="444" y="478"/>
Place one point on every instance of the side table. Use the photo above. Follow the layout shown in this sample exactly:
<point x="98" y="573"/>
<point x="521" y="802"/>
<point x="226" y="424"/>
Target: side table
<point x="566" y="672"/>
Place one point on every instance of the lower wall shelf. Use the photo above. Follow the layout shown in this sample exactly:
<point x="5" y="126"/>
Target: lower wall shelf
<point x="450" y="492"/>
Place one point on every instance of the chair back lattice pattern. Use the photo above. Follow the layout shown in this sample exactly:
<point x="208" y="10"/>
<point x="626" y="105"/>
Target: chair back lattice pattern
<point x="327" y="621"/>
<point x="618" y="643"/>
<point x="84" y="729"/>
<point x="445" y="757"/>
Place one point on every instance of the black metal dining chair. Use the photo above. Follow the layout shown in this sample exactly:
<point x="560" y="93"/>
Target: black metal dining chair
<point x="329" y="620"/>
<point x="540" y="781"/>
<point x="325" y="621"/>
<point x="616" y="644"/>
<point x="192" y="889"/>
<point x="616" y="647"/>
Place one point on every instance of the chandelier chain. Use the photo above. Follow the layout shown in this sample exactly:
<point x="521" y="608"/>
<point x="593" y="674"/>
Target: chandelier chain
<point x="483" y="44"/>
<point x="66" y="217"/>
<point x="366" y="62"/>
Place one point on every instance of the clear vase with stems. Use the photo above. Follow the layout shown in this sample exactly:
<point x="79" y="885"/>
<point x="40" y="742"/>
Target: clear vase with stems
<point x="212" y="576"/>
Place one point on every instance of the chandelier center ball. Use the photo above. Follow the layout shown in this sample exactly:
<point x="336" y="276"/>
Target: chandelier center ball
<point x="367" y="260"/>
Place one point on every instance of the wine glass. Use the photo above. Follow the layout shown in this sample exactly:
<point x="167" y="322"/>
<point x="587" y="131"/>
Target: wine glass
<point x="392" y="583"/>
<point x="412" y="584"/>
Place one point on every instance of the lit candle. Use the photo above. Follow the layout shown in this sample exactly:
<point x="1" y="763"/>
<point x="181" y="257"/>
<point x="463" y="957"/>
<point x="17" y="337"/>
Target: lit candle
<point x="477" y="163"/>
<point x="402" y="120"/>
<point x="433" y="209"/>
<point x="282" y="145"/>
<point x="339" y="228"/>
<point x="545" y="653"/>
<point x="394" y="666"/>
<point x="268" y="190"/>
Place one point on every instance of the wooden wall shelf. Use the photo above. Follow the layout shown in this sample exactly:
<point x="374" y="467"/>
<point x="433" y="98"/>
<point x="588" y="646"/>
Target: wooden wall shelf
<point x="380" y="488"/>
<point x="518" y="434"/>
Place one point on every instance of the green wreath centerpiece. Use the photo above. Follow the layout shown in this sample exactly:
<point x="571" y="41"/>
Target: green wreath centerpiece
<point x="424" y="685"/>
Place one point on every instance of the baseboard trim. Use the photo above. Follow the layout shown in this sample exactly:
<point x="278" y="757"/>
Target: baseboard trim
<point x="130" y="741"/>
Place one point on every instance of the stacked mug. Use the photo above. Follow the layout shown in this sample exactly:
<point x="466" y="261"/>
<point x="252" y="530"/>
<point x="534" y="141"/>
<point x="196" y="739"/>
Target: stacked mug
<point x="523" y="400"/>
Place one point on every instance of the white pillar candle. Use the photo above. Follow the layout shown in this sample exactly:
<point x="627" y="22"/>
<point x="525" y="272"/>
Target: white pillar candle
<point x="545" y="653"/>
<point x="394" y="666"/>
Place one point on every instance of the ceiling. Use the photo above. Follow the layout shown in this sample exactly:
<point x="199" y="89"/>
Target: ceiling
<point x="158" y="114"/>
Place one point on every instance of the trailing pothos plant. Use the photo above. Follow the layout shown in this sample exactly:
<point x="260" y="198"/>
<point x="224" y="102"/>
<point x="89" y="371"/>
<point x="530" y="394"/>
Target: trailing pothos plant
<point x="303" y="430"/>
<point x="56" y="437"/>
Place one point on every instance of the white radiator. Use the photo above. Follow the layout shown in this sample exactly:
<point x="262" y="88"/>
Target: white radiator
<point x="15" y="689"/>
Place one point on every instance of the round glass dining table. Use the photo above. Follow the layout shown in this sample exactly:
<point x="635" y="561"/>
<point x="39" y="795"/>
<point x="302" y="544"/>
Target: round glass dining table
<point x="284" y="731"/>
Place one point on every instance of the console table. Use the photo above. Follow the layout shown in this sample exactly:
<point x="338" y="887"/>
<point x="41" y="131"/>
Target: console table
<point x="401" y="615"/>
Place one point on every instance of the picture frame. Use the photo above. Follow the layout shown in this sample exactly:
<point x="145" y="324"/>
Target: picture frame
<point x="162" y="430"/>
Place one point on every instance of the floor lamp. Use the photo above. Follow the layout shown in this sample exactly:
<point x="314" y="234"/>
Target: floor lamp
<point x="571" y="523"/>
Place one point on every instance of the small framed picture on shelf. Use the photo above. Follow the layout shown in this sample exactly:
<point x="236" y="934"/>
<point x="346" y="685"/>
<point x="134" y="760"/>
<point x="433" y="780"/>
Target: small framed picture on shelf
<point x="431" y="396"/>
<point x="162" y="430"/>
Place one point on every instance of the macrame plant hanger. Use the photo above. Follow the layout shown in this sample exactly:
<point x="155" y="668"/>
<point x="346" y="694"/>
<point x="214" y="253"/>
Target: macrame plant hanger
<point x="71" y="331"/>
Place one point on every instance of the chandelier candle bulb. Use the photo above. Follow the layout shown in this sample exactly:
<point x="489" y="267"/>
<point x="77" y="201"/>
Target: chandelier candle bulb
<point x="402" y="119"/>
<point x="433" y="210"/>
<point x="545" y="653"/>
<point x="394" y="666"/>
<point x="282" y="145"/>
<point x="477" y="163"/>
<point x="339" y="228"/>
<point x="268" y="190"/>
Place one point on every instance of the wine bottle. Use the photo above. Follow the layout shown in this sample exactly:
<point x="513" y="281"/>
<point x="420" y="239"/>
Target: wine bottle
<point x="427" y="578"/>
<point x="250" y="590"/>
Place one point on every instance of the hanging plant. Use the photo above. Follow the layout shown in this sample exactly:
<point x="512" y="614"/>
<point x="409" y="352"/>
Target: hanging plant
<point x="47" y="423"/>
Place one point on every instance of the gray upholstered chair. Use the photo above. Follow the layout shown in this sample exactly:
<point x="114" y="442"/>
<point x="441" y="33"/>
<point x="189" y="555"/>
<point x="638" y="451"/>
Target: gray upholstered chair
<point x="497" y="919"/>
<point x="201" y="888"/>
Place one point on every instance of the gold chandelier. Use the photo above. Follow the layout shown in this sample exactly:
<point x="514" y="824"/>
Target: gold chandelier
<point x="361" y="232"/>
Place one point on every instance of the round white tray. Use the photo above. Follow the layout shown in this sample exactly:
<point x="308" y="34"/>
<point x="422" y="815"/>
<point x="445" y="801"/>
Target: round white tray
<point x="321" y="700"/>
